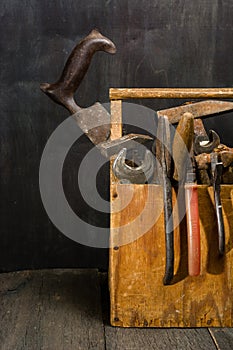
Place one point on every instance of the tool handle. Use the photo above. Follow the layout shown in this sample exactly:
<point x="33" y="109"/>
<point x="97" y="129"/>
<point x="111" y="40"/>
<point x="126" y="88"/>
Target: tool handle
<point x="162" y="149"/>
<point x="62" y="91"/>
<point x="169" y="234"/>
<point x="216" y="170"/>
<point x="193" y="229"/>
<point x="221" y="232"/>
<point x="220" y="223"/>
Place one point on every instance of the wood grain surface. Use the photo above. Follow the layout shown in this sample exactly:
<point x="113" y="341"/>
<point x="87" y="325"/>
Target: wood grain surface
<point x="223" y="337"/>
<point x="57" y="309"/>
<point x="138" y="297"/>
<point x="61" y="310"/>
<point x="122" y="94"/>
<point x="154" y="339"/>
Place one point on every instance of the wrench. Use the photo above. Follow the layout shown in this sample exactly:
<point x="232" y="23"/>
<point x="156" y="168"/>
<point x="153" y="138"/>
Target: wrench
<point x="128" y="174"/>
<point x="212" y="143"/>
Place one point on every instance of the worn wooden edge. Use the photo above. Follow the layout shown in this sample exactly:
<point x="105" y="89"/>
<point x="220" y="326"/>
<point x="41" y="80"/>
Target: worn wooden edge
<point x="115" y="132"/>
<point x="116" y="119"/>
<point x="141" y="93"/>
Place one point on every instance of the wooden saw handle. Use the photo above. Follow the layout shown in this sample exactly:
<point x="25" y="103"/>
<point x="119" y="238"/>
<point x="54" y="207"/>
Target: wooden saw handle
<point x="193" y="229"/>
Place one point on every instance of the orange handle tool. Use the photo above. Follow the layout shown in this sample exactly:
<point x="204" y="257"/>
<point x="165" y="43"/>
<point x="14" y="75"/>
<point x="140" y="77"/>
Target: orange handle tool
<point x="193" y="229"/>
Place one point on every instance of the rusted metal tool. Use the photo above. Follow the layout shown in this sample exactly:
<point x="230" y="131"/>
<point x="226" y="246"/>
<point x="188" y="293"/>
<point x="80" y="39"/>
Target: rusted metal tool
<point x="136" y="175"/>
<point x="197" y="109"/>
<point x="203" y="162"/>
<point x="212" y="144"/>
<point x="162" y="150"/>
<point x="216" y="175"/>
<point x="201" y="134"/>
<point x="227" y="157"/>
<point x="62" y="92"/>
<point x="182" y="143"/>
<point x="216" y="172"/>
<point x="192" y="213"/>
<point x="113" y="147"/>
<point x="202" y="168"/>
<point x="209" y="146"/>
<point x="226" y="154"/>
<point x="184" y="134"/>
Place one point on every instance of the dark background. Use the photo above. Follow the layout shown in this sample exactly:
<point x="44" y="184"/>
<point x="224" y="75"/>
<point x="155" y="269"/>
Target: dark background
<point x="166" y="43"/>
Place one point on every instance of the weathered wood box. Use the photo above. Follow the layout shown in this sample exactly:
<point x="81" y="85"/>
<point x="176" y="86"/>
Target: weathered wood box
<point x="137" y="259"/>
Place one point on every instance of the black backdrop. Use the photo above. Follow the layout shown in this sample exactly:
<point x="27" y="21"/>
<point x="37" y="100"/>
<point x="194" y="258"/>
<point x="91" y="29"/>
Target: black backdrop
<point x="161" y="43"/>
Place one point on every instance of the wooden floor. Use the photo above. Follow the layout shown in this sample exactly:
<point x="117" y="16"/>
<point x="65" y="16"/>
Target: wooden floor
<point x="68" y="309"/>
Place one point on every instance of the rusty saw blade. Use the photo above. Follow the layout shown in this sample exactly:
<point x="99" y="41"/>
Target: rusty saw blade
<point x="197" y="109"/>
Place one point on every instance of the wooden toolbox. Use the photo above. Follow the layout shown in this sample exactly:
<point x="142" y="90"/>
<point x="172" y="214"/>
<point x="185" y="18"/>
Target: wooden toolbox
<point x="137" y="251"/>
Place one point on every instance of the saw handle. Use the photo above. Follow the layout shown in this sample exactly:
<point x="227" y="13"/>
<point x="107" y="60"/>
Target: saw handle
<point x="62" y="91"/>
<point x="193" y="228"/>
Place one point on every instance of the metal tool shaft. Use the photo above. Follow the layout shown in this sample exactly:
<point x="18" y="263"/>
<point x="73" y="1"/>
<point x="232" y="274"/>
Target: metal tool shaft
<point x="162" y="150"/>
<point x="216" y="170"/>
<point x="169" y="235"/>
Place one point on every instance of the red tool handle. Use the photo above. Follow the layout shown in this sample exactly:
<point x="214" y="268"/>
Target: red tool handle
<point x="193" y="229"/>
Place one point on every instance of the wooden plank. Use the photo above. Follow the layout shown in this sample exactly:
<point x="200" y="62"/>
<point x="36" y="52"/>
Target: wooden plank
<point x="126" y="93"/>
<point x="118" y="338"/>
<point x="149" y="339"/>
<point x="57" y="309"/>
<point x="116" y="119"/>
<point x="116" y="130"/>
<point x="223" y="338"/>
<point x="138" y="297"/>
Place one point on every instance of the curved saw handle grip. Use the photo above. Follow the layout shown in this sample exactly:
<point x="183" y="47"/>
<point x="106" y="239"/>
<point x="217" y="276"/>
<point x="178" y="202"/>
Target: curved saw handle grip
<point x="62" y="91"/>
<point x="193" y="229"/>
